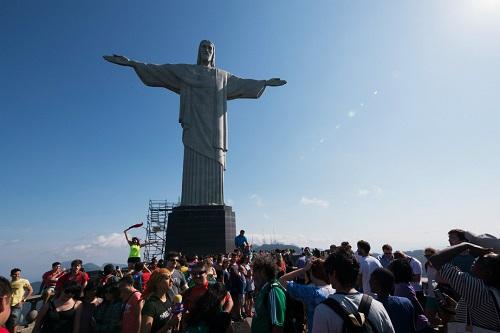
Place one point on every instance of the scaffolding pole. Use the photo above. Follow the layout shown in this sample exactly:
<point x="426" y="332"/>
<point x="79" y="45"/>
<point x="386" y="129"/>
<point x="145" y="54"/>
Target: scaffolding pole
<point x="156" y="229"/>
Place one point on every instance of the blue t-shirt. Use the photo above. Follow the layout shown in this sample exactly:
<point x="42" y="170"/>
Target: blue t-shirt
<point x="401" y="312"/>
<point x="240" y="240"/>
<point x="311" y="295"/>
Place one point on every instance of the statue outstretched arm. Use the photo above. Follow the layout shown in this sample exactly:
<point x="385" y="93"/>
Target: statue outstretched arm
<point x="275" y="82"/>
<point x="119" y="60"/>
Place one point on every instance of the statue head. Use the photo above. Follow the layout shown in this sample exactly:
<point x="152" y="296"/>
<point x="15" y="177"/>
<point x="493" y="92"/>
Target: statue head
<point x="206" y="53"/>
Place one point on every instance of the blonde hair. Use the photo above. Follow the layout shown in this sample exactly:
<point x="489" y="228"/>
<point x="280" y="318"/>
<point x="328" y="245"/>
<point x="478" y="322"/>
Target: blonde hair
<point x="156" y="277"/>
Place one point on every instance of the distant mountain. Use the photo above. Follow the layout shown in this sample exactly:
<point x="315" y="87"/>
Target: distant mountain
<point x="276" y="246"/>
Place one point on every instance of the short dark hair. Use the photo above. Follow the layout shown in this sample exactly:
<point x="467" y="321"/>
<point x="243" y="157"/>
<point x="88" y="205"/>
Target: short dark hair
<point x="490" y="264"/>
<point x="267" y="265"/>
<point x="54" y="264"/>
<point x="459" y="232"/>
<point x="14" y="271"/>
<point x="172" y="254"/>
<point x="386" y="247"/>
<point x="128" y="280"/>
<point x="385" y="279"/>
<point x="364" y="245"/>
<point x="72" y="288"/>
<point x="109" y="269"/>
<point x="345" y="265"/>
<point x="318" y="270"/>
<point x="5" y="289"/>
<point x="402" y="271"/>
<point x="242" y="231"/>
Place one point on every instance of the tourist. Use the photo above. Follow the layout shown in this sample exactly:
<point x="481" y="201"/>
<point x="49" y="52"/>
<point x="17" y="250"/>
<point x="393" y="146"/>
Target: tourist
<point x="386" y="257"/>
<point x="61" y="314"/>
<point x="416" y="268"/>
<point x="343" y="269"/>
<point x="270" y="305"/>
<point x="479" y="290"/>
<point x="132" y="305"/>
<point x="367" y="265"/>
<point x="249" y="286"/>
<point x="179" y="283"/>
<point x="311" y="294"/>
<point x="108" y="276"/>
<point x="75" y="274"/>
<point x="403" y="276"/>
<point x="135" y="250"/>
<point x="431" y="307"/>
<point x="211" y="272"/>
<point x="463" y="260"/>
<point x="208" y="314"/>
<point x="400" y="309"/>
<point x="108" y="314"/>
<point x="240" y="241"/>
<point x="237" y="284"/>
<point x="5" y="300"/>
<point x="89" y="305"/>
<point x="156" y="314"/>
<point x="49" y="281"/>
<point x="21" y="290"/>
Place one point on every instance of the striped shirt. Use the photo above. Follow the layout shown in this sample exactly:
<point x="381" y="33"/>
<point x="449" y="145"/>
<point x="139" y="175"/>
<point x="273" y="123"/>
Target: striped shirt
<point x="476" y="298"/>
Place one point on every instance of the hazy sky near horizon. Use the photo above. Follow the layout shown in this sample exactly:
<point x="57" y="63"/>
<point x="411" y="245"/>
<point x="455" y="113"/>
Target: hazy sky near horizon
<point x="386" y="131"/>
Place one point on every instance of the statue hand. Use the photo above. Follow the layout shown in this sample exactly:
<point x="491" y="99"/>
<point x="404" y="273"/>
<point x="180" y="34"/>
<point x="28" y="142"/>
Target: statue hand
<point x="275" y="82"/>
<point x="118" y="59"/>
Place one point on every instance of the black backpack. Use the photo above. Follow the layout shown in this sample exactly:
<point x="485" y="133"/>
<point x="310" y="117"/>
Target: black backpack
<point x="354" y="322"/>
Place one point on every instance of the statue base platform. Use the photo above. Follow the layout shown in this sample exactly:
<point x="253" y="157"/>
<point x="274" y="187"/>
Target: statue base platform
<point x="201" y="230"/>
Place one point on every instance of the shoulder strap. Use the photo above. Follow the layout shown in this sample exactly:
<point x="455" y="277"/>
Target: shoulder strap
<point x="339" y="310"/>
<point x="364" y="306"/>
<point x="124" y="304"/>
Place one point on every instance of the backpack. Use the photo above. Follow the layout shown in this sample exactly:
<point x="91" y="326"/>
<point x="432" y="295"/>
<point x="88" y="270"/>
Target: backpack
<point x="354" y="322"/>
<point x="289" y="324"/>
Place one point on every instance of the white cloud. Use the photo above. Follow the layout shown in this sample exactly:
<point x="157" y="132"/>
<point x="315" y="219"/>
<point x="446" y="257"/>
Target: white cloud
<point x="351" y="113"/>
<point x="338" y="126"/>
<point x="230" y="202"/>
<point x="97" y="245"/>
<point x="314" y="202"/>
<point x="375" y="92"/>
<point x="267" y="217"/>
<point x="372" y="191"/>
<point x="257" y="200"/>
<point x="361" y="104"/>
<point x="322" y="140"/>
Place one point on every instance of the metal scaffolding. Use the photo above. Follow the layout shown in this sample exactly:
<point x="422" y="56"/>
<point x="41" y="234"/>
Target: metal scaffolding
<point x="156" y="228"/>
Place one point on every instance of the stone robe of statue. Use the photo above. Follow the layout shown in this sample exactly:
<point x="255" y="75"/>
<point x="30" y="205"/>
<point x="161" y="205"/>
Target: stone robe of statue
<point x="203" y="94"/>
<point x="203" y="91"/>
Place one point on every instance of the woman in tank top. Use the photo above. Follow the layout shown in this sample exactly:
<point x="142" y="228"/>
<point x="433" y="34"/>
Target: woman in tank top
<point x="61" y="315"/>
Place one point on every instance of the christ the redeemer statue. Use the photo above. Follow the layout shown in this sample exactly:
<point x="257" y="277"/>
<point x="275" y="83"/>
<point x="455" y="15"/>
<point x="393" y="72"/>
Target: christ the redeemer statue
<point x="204" y="91"/>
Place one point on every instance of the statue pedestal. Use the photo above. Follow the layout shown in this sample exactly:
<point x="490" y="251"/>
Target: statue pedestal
<point x="201" y="230"/>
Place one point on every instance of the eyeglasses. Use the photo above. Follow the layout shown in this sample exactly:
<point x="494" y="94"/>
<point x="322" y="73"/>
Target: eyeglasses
<point x="198" y="273"/>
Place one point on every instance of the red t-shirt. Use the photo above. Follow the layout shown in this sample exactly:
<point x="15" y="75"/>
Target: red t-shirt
<point x="145" y="278"/>
<point x="47" y="276"/>
<point x="80" y="278"/>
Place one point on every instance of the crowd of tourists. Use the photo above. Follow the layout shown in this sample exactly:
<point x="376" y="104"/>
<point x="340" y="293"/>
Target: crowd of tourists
<point x="341" y="289"/>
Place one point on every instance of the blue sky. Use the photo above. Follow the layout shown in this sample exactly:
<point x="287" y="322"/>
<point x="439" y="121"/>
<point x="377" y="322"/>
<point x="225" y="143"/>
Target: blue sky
<point x="386" y="131"/>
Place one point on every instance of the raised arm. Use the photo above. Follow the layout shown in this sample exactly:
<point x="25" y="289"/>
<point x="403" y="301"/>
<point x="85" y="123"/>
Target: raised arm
<point x="126" y="237"/>
<point x="449" y="253"/>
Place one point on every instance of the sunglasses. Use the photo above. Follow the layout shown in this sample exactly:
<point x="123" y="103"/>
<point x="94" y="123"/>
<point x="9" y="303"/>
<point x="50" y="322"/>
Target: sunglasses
<point x="199" y="273"/>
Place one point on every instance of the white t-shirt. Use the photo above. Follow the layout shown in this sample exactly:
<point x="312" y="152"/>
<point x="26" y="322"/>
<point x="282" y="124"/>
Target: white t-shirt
<point x="416" y="267"/>
<point x="327" y="321"/>
<point x="367" y="265"/>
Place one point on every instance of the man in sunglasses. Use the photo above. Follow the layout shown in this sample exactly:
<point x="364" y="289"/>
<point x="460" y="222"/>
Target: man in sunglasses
<point x="198" y="273"/>
<point x="178" y="279"/>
